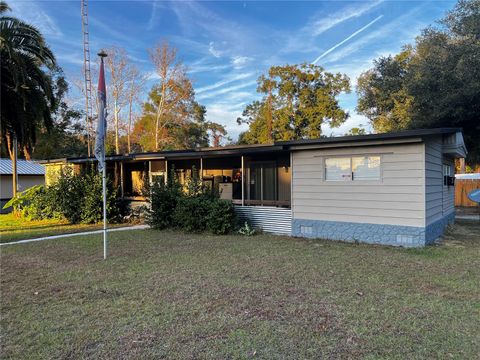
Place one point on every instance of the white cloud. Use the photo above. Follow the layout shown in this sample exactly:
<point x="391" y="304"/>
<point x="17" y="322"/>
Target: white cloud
<point x="318" y="27"/>
<point x="33" y="14"/>
<point x="239" y="62"/>
<point x="227" y="80"/>
<point x="211" y="48"/>
<point x="225" y="90"/>
<point x="227" y="117"/>
<point x="304" y="40"/>
<point x="355" y="120"/>
<point x="75" y="59"/>
<point x="154" y="15"/>
<point x="347" y="38"/>
<point x="395" y="27"/>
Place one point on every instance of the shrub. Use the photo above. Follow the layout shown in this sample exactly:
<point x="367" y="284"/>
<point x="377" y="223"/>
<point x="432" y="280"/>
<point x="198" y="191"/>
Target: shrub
<point x="191" y="213"/>
<point x="92" y="207"/>
<point x="163" y="200"/>
<point x="43" y="205"/>
<point x="77" y="198"/>
<point x="192" y="207"/>
<point x="221" y="217"/>
<point x="246" y="230"/>
<point x="35" y="203"/>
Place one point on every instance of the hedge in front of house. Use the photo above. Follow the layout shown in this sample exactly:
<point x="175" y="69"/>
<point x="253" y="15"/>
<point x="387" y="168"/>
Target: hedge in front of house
<point x="193" y="209"/>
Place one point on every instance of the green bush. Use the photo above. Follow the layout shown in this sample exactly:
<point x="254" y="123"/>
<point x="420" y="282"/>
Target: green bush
<point x="42" y="205"/>
<point x="221" y="217"/>
<point x="191" y="213"/>
<point x="35" y="203"/>
<point x="192" y="207"/>
<point x="163" y="200"/>
<point x="77" y="198"/>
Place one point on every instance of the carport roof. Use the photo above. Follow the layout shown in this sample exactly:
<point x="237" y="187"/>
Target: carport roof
<point x="24" y="167"/>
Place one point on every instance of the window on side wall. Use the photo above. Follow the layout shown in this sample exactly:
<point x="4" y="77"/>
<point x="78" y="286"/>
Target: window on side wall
<point x="355" y="168"/>
<point x="366" y="167"/>
<point x="338" y="169"/>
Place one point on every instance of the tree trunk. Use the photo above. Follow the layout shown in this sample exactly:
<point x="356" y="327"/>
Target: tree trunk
<point x="269" y="115"/>
<point x="129" y="125"/>
<point x="159" y="113"/>
<point x="27" y="152"/>
<point x="116" y="111"/>
<point x="9" y="139"/>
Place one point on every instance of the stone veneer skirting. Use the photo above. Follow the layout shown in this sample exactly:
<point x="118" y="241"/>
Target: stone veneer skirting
<point x="384" y="234"/>
<point x="436" y="229"/>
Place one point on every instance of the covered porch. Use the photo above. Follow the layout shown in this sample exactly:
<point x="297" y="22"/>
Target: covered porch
<point x="246" y="180"/>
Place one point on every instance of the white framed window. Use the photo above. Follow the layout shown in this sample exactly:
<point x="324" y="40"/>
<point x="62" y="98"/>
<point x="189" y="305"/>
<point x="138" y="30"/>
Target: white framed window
<point x="366" y="168"/>
<point x="338" y="169"/>
<point x="354" y="168"/>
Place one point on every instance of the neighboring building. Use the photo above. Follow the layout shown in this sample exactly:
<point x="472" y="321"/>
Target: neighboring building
<point x="394" y="189"/>
<point x="29" y="174"/>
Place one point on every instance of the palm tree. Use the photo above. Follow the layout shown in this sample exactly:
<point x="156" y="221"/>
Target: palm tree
<point x="26" y="82"/>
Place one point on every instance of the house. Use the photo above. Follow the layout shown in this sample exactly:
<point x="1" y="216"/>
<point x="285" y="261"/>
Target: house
<point x="394" y="189"/>
<point x="29" y="174"/>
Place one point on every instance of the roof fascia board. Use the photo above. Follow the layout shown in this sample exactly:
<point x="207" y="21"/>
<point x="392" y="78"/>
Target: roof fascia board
<point x="355" y="144"/>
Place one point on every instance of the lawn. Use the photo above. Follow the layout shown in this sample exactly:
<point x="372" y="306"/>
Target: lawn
<point x="13" y="228"/>
<point x="165" y="294"/>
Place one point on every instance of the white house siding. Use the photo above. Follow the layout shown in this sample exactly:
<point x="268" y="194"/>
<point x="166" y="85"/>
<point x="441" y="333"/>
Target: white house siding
<point x="24" y="182"/>
<point x="397" y="199"/>
<point x="439" y="198"/>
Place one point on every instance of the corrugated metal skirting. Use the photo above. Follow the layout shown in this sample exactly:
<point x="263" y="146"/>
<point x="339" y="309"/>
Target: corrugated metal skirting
<point x="269" y="219"/>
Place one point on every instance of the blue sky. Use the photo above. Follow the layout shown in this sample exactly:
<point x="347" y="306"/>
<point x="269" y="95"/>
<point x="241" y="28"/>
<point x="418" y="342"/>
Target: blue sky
<point x="228" y="44"/>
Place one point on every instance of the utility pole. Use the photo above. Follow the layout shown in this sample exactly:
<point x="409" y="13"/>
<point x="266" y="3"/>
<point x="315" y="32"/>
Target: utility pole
<point x="87" y="76"/>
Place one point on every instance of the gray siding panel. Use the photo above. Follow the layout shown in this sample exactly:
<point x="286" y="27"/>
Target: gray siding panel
<point x="439" y="198"/>
<point x="397" y="199"/>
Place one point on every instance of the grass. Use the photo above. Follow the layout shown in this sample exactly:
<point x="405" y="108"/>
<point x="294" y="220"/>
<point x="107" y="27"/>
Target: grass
<point x="13" y="228"/>
<point x="180" y="296"/>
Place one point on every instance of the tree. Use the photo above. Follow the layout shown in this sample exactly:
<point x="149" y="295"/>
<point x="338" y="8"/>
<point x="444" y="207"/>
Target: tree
<point x="170" y="95"/>
<point x="135" y="85"/>
<point x="254" y="115"/>
<point x="218" y="133"/>
<point x="383" y="93"/>
<point x="66" y="136"/>
<point x="438" y="85"/>
<point x="297" y="101"/>
<point x="27" y="85"/>
<point x="119" y="74"/>
<point x="356" y="131"/>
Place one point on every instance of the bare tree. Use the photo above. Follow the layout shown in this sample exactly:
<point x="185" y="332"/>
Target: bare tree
<point x="119" y="72"/>
<point x="135" y="85"/>
<point x="174" y="86"/>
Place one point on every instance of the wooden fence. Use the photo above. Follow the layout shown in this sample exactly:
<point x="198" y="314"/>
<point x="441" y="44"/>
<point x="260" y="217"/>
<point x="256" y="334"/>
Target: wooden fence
<point x="462" y="188"/>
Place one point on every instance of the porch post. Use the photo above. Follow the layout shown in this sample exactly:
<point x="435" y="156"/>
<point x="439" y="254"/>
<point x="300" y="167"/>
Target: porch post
<point x="243" y="182"/>
<point x="121" y="179"/>
<point x="166" y="172"/>
<point x="201" y="168"/>
<point x="149" y="172"/>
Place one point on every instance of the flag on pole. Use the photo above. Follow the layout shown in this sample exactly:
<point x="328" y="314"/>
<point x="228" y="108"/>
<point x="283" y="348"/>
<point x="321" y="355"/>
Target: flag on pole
<point x="100" y="144"/>
<point x="102" y="119"/>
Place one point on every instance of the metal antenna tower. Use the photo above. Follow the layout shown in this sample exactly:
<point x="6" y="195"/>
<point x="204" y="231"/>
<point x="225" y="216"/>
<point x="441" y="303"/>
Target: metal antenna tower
<point x="88" y="75"/>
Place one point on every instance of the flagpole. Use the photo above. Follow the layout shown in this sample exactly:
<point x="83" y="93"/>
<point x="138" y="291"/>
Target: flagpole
<point x="104" y="188"/>
<point x="102" y="54"/>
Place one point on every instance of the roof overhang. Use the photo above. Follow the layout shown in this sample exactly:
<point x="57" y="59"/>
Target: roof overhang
<point x="454" y="146"/>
